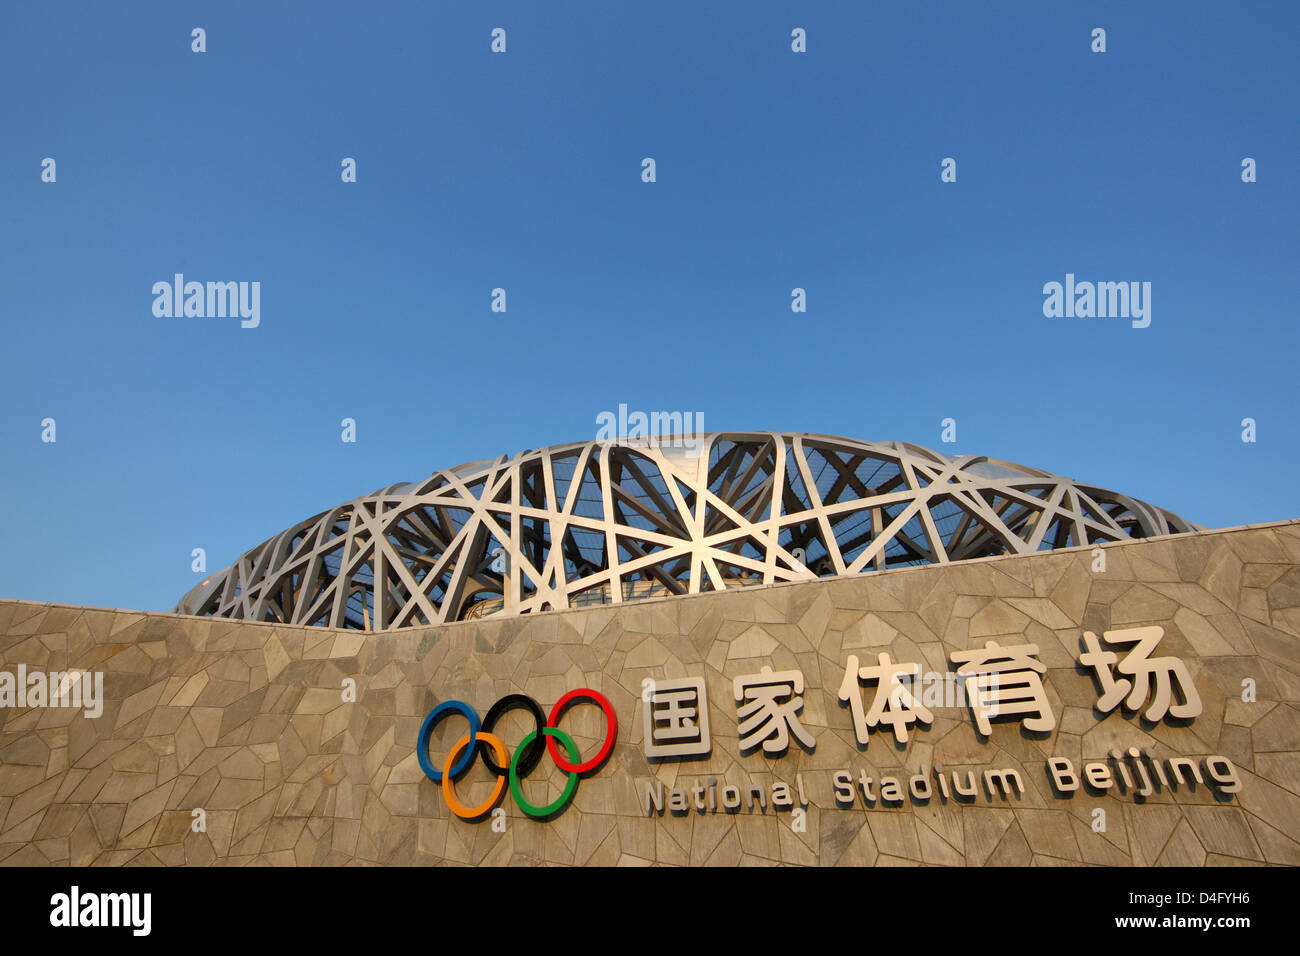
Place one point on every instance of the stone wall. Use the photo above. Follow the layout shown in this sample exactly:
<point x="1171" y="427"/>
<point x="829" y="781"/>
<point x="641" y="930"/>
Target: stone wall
<point x="248" y="722"/>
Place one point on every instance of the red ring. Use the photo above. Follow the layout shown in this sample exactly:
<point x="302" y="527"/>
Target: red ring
<point x="610" y="720"/>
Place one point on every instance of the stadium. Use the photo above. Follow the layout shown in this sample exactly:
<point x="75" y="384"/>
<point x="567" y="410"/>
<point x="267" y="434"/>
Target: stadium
<point x="606" y="522"/>
<point x="739" y="648"/>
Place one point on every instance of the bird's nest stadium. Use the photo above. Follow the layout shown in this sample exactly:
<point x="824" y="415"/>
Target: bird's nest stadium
<point x="598" y="522"/>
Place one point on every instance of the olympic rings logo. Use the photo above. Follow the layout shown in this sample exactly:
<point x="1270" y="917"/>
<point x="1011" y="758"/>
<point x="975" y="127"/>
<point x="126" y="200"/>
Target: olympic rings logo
<point x="527" y="755"/>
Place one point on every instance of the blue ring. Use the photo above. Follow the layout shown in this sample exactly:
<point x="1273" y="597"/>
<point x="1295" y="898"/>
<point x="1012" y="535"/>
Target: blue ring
<point x="426" y="730"/>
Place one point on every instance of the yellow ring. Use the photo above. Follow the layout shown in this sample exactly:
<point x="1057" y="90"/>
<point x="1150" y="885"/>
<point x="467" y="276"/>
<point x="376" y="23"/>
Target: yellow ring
<point x="449" y="788"/>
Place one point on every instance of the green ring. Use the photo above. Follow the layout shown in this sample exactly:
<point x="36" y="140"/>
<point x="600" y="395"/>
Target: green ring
<point x="517" y="792"/>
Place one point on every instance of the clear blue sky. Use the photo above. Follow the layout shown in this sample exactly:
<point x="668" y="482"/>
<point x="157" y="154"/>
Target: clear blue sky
<point x="522" y="170"/>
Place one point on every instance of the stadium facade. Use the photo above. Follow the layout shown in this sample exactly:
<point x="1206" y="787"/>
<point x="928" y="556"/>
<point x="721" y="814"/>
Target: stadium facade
<point x="761" y="648"/>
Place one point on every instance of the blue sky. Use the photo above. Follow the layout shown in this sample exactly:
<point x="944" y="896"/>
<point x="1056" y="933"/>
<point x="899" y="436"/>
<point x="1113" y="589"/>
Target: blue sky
<point x="522" y="170"/>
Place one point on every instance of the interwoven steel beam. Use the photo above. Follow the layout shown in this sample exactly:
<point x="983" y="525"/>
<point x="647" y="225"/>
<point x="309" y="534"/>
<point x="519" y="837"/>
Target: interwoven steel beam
<point x="606" y="522"/>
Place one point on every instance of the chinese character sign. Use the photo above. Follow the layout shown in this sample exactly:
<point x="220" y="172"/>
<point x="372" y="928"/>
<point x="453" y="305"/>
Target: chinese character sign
<point x="1004" y="681"/>
<point x="1148" y="673"/>
<point x="677" y="719"/>
<point x="767" y="707"/>
<point x="893" y="703"/>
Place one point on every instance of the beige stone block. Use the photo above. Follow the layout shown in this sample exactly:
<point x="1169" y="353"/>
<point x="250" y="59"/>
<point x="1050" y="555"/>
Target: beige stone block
<point x="17" y="778"/>
<point x="402" y="799"/>
<point x="1095" y="848"/>
<point x="345" y="646"/>
<point x="254" y="815"/>
<point x="1201" y="634"/>
<point x="935" y="850"/>
<point x="174" y="826"/>
<point x="1048" y="832"/>
<point x="996" y="618"/>
<point x="1183" y="849"/>
<point x="1282" y="769"/>
<point x="139" y="704"/>
<point x="319" y="701"/>
<point x="1279" y="729"/>
<point x="189" y="692"/>
<point x="1149" y="830"/>
<point x="895" y="834"/>
<point x="754" y="642"/>
<point x="145" y="808"/>
<point x="59" y="820"/>
<point x="870" y="630"/>
<point x="1223" y="830"/>
<point x="232" y="794"/>
<point x="1222" y="576"/>
<point x="1141" y="605"/>
<point x="1244" y="714"/>
<point x="1012" y="849"/>
<point x="28" y="750"/>
<point x="1276" y="846"/>
<point x="275" y="657"/>
<point x="207" y="721"/>
<point x="124" y="787"/>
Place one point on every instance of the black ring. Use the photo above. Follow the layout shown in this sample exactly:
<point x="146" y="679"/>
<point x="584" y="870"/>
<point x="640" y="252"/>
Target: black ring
<point x="530" y="757"/>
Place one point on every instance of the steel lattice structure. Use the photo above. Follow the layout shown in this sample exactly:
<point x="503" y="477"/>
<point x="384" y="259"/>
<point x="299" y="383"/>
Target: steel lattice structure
<point x="605" y="522"/>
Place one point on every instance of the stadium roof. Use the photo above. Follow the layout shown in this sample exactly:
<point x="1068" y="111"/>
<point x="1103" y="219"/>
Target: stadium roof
<point x="606" y="522"/>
